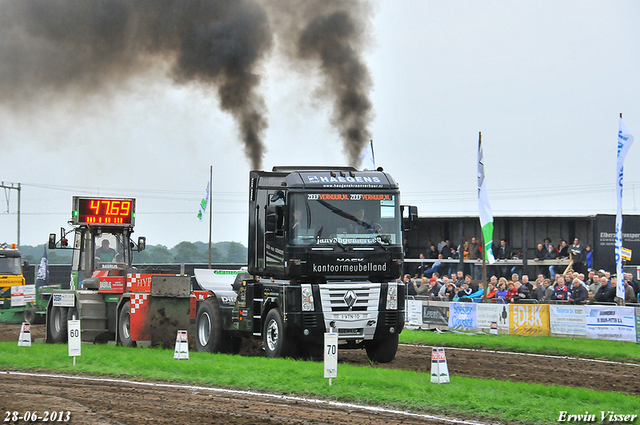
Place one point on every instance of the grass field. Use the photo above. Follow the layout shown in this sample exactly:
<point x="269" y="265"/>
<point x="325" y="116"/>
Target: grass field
<point x="467" y="397"/>
<point x="575" y="347"/>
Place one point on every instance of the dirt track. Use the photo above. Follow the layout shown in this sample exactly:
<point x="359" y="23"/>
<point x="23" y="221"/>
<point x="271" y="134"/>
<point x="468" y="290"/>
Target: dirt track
<point x="122" y="403"/>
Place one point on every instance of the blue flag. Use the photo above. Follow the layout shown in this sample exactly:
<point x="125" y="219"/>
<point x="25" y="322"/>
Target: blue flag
<point x="625" y="139"/>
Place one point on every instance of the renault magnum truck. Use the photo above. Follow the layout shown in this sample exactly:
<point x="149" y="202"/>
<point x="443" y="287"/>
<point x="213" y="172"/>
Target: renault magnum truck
<point x="325" y="252"/>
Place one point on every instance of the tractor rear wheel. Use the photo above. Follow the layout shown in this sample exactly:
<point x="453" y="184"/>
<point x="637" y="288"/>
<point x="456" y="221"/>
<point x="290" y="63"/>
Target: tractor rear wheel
<point x="124" y="325"/>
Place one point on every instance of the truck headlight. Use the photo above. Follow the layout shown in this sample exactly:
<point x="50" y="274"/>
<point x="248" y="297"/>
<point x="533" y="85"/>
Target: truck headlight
<point x="392" y="296"/>
<point x="307" y="298"/>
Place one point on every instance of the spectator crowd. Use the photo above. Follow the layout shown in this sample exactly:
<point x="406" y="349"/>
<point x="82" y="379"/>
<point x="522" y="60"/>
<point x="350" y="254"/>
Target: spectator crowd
<point x="436" y="280"/>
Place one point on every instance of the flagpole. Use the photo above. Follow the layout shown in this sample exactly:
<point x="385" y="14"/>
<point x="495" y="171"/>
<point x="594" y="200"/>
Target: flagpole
<point x="373" y="153"/>
<point x="619" y="278"/>
<point x="210" y="209"/>
<point x="484" y="248"/>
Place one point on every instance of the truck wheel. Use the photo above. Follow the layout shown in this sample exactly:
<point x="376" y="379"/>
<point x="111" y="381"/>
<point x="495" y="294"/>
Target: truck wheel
<point x="58" y="324"/>
<point x="124" y="326"/>
<point x="31" y="316"/>
<point x="275" y="343"/>
<point x="209" y="335"/>
<point x="382" y="349"/>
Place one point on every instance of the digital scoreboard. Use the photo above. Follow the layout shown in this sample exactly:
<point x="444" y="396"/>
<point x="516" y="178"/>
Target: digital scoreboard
<point x="103" y="211"/>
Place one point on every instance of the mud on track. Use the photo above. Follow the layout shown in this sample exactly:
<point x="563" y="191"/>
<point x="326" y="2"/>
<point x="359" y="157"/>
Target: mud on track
<point x="572" y="372"/>
<point x="107" y="402"/>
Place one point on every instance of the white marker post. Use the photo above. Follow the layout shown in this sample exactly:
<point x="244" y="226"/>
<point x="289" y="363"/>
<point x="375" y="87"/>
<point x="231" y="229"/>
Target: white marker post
<point x="74" y="341"/>
<point x="182" y="346"/>
<point x="439" y="369"/>
<point x="330" y="355"/>
<point x="24" y="340"/>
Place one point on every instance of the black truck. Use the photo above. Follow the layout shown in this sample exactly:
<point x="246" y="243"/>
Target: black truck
<point x="325" y="250"/>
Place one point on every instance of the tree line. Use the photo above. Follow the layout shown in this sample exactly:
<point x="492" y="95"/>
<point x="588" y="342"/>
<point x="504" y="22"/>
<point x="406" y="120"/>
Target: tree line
<point x="184" y="252"/>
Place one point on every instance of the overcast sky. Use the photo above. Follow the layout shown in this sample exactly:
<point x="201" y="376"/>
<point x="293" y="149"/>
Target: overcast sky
<point x="543" y="81"/>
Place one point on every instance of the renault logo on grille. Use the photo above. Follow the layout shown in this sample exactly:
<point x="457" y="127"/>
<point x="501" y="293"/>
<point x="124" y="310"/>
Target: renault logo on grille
<point x="350" y="298"/>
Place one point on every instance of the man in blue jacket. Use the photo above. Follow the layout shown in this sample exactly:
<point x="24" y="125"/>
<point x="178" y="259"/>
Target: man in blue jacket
<point x="579" y="293"/>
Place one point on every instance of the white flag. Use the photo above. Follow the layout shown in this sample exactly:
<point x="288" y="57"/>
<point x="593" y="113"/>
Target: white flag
<point x="625" y="139"/>
<point x="42" y="278"/>
<point x="486" y="216"/>
<point x="204" y="202"/>
<point x="368" y="158"/>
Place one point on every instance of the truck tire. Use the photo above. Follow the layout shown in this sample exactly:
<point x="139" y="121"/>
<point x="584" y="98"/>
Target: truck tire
<point x="382" y="349"/>
<point x="275" y="342"/>
<point x="30" y="315"/>
<point x="124" y="326"/>
<point x="209" y="336"/>
<point x="58" y="324"/>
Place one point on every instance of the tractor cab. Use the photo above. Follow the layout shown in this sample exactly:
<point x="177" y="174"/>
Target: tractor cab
<point x="102" y="245"/>
<point x="100" y="252"/>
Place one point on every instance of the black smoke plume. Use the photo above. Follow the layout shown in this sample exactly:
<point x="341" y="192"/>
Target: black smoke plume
<point x="55" y="48"/>
<point x="333" y="34"/>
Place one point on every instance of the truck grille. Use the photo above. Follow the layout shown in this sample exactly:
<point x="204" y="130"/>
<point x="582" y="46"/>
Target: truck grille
<point x="351" y="307"/>
<point x="367" y="296"/>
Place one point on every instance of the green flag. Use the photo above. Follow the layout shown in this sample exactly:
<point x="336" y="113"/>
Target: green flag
<point x="204" y="203"/>
<point x="486" y="216"/>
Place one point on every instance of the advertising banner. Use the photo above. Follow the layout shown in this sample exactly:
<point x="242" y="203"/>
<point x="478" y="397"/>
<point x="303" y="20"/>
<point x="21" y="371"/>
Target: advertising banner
<point x="611" y="322"/>
<point x="436" y="313"/>
<point x="488" y="314"/>
<point x="637" y="324"/>
<point x="462" y="316"/>
<point x="568" y="319"/>
<point x="29" y="293"/>
<point x="529" y="319"/>
<point x="414" y="312"/>
<point x="17" y="296"/>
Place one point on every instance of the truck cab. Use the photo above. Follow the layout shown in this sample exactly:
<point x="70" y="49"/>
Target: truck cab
<point x="11" y="276"/>
<point x="322" y="225"/>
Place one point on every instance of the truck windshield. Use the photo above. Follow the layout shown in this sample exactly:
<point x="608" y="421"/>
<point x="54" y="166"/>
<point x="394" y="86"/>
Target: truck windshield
<point x="344" y="218"/>
<point x="10" y="265"/>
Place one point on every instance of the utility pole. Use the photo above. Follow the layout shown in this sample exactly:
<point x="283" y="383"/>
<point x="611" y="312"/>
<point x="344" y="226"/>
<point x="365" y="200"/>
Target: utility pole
<point x="14" y="186"/>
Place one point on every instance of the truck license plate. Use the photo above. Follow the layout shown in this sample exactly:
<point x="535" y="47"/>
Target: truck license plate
<point x="349" y="316"/>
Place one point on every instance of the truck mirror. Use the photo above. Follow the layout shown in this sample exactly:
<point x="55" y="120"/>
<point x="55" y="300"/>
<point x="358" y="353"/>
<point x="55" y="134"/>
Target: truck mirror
<point x="142" y="243"/>
<point x="413" y="214"/>
<point x="410" y="219"/>
<point x="274" y="221"/>
<point x="52" y="241"/>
